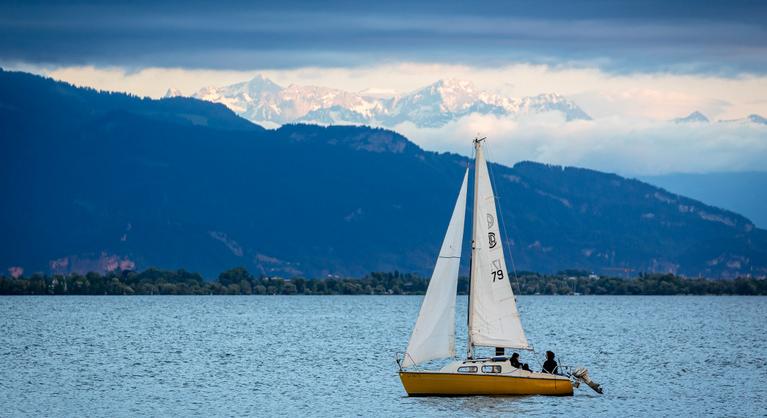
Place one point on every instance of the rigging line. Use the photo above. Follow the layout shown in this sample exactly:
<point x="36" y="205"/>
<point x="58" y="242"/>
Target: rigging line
<point x="503" y="222"/>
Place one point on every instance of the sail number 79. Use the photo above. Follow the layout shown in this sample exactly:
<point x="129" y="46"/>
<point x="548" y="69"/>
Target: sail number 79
<point x="498" y="275"/>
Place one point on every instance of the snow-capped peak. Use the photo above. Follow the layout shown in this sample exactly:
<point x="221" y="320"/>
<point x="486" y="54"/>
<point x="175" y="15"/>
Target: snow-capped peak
<point x="454" y="85"/>
<point x="451" y="89"/>
<point x="260" y="84"/>
<point x="260" y="78"/>
<point x="445" y="100"/>
<point x="754" y="118"/>
<point x="172" y="92"/>
<point x="694" y="117"/>
<point x="448" y="95"/>
<point x="377" y="92"/>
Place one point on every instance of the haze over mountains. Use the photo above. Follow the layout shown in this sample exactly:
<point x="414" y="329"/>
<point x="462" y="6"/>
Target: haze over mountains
<point x="740" y="192"/>
<point x="99" y="181"/>
<point x="262" y="101"/>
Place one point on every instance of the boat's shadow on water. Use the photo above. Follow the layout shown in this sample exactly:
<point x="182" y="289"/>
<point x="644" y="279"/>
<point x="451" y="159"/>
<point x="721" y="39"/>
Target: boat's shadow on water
<point x="477" y="405"/>
<point x="490" y="405"/>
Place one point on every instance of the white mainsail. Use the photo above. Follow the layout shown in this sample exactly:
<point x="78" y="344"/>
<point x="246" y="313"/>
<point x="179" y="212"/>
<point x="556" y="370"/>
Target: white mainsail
<point x="493" y="317"/>
<point x="434" y="333"/>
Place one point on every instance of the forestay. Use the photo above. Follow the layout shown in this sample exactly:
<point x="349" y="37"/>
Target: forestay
<point x="434" y="333"/>
<point x="493" y="317"/>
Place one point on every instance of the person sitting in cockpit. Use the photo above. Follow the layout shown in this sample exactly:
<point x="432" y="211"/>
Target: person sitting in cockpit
<point x="550" y="365"/>
<point x="514" y="360"/>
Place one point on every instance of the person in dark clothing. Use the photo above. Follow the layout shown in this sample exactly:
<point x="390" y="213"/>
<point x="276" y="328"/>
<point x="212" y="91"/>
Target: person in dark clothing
<point x="514" y="360"/>
<point x="550" y="366"/>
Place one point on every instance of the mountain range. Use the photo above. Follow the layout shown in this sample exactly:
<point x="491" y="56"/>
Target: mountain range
<point x="698" y="117"/>
<point x="100" y="181"/>
<point x="262" y="101"/>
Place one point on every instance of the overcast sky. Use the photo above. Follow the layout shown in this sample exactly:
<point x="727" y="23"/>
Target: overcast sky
<point x="692" y="36"/>
<point x="640" y="62"/>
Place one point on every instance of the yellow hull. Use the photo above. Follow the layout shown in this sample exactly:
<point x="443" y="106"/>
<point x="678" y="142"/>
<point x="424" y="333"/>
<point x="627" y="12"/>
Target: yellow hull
<point x="455" y="384"/>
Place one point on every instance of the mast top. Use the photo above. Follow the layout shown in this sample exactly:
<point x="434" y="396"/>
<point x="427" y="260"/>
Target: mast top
<point x="477" y="139"/>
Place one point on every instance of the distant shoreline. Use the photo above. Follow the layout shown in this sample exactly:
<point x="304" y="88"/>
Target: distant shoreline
<point x="239" y="281"/>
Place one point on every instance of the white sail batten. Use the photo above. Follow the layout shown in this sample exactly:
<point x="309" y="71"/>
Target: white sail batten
<point x="493" y="316"/>
<point x="434" y="334"/>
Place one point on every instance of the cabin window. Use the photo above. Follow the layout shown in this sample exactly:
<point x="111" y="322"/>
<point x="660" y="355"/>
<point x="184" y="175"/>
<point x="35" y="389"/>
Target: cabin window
<point x="491" y="369"/>
<point x="467" y="369"/>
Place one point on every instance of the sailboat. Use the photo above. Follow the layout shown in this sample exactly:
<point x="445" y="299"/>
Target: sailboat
<point x="493" y="318"/>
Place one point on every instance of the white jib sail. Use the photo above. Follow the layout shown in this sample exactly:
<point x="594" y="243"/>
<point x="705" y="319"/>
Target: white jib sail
<point x="493" y="318"/>
<point x="434" y="333"/>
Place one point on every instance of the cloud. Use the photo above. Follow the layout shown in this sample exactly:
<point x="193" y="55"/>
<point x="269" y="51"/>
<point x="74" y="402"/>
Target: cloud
<point x="621" y="37"/>
<point x="624" y="145"/>
<point x="649" y="102"/>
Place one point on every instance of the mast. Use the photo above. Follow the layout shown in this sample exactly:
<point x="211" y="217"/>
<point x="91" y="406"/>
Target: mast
<point x="472" y="273"/>
<point x="494" y="319"/>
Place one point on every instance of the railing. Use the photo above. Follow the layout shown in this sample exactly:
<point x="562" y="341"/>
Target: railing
<point x="399" y="357"/>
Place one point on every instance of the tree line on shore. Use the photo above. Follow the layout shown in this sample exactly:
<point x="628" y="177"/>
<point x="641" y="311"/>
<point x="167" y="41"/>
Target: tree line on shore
<point x="238" y="281"/>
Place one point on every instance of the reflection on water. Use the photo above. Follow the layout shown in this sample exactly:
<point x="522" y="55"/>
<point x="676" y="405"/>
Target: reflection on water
<point x="334" y="355"/>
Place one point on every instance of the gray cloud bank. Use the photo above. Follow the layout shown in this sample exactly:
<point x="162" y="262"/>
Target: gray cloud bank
<point x="619" y="36"/>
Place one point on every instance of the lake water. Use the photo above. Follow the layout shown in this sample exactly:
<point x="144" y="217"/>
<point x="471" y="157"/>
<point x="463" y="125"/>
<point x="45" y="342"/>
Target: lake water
<point x="334" y="355"/>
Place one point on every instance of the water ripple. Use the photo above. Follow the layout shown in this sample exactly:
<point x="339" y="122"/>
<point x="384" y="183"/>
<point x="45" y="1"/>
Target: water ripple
<point x="333" y="355"/>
